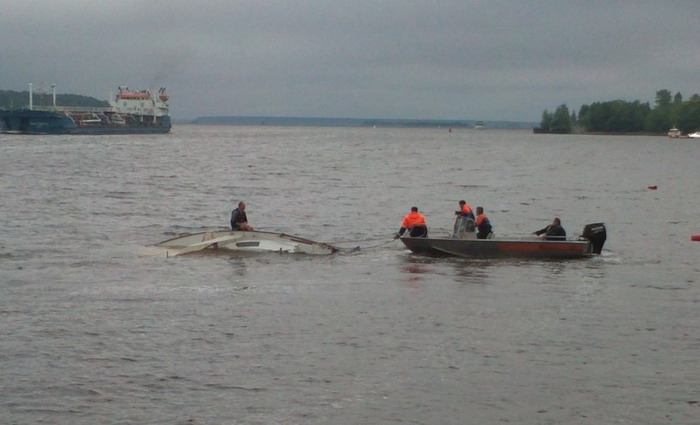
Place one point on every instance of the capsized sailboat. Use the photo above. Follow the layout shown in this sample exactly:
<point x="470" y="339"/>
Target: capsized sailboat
<point x="255" y="241"/>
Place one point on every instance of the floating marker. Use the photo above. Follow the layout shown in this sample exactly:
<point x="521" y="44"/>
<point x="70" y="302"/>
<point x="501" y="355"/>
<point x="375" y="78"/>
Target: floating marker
<point x="652" y="187"/>
<point x="695" y="238"/>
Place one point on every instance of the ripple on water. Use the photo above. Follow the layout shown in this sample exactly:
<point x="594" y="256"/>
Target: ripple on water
<point x="95" y="327"/>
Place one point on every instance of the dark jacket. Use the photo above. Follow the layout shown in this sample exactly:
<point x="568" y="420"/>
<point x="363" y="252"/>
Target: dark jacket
<point x="484" y="226"/>
<point x="553" y="233"/>
<point x="237" y="217"/>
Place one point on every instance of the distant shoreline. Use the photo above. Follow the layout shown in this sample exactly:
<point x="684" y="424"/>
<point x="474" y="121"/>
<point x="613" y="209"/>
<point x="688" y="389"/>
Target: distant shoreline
<point x="598" y="133"/>
<point x="355" y="122"/>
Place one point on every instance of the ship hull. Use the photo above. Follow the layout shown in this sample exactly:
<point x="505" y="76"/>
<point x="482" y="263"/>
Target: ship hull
<point x="25" y="121"/>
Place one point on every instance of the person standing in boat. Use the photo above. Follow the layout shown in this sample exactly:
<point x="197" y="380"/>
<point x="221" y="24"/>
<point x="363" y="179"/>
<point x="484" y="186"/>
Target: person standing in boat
<point x="239" y="220"/>
<point x="483" y="225"/>
<point x="553" y="232"/>
<point x="415" y="223"/>
<point x="465" y="210"/>
<point x="465" y="219"/>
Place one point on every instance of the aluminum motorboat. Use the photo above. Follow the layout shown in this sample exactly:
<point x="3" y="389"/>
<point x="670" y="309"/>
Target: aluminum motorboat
<point x="463" y="243"/>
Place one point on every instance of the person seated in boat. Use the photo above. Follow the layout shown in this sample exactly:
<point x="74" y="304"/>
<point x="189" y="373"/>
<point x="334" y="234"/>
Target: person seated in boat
<point x="483" y="225"/>
<point x="465" y="210"/>
<point x="553" y="232"/>
<point x="415" y="223"/>
<point x="239" y="220"/>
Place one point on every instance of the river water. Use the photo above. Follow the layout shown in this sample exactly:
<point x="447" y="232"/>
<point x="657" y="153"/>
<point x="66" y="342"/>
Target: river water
<point x="97" y="329"/>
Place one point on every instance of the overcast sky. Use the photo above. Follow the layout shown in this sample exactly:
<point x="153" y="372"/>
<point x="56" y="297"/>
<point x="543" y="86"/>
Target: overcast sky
<point x="438" y="59"/>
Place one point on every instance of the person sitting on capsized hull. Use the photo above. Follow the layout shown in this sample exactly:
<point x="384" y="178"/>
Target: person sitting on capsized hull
<point x="415" y="223"/>
<point x="239" y="220"/>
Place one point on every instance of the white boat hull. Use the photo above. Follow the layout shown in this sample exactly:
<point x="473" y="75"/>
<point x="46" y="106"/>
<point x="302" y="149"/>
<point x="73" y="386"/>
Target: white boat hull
<point x="256" y="241"/>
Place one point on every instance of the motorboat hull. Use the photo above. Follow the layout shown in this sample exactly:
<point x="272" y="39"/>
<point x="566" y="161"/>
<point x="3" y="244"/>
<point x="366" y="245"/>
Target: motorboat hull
<point x="468" y="248"/>
<point x="255" y="241"/>
<point x="463" y="243"/>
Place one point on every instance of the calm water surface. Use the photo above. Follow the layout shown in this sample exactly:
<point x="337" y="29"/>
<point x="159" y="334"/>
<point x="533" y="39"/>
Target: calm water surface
<point x="95" y="329"/>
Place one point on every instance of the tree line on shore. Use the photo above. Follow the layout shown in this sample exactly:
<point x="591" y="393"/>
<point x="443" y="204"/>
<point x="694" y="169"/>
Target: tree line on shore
<point x="619" y="116"/>
<point x="10" y="99"/>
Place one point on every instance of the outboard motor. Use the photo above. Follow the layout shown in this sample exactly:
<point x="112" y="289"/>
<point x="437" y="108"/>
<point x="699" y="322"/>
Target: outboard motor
<point x="596" y="234"/>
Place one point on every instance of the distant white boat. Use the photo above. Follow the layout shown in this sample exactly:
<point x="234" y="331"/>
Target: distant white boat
<point x="695" y="135"/>
<point x="479" y="125"/>
<point x="674" y="133"/>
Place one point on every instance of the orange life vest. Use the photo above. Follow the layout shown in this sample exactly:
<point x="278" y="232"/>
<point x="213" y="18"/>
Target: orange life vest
<point x="413" y="219"/>
<point x="480" y="219"/>
<point x="466" y="209"/>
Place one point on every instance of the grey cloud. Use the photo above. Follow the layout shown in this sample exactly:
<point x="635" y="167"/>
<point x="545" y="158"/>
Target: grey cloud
<point x="393" y="59"/>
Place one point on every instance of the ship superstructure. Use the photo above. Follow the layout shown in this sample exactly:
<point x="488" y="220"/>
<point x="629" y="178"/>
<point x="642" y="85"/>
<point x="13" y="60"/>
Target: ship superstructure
<point x="130" y="111"/>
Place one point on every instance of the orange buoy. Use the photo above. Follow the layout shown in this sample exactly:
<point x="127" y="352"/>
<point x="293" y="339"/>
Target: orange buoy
<point x="695" y="238"/>
<point x="652" y="187"/>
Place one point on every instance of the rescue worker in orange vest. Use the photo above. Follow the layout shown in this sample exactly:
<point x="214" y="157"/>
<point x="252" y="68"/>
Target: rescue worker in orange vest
<point x="465" y="210"/>
<point x="415" y="223"/>
<point x="482" y="224"/>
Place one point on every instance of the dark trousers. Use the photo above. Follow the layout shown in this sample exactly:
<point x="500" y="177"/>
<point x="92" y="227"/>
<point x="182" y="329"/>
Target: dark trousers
<point x="419" y="232"/>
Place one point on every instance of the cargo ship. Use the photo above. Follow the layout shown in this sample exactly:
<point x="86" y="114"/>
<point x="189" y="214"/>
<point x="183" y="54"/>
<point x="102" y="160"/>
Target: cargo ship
<point x="129" y="112"/>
